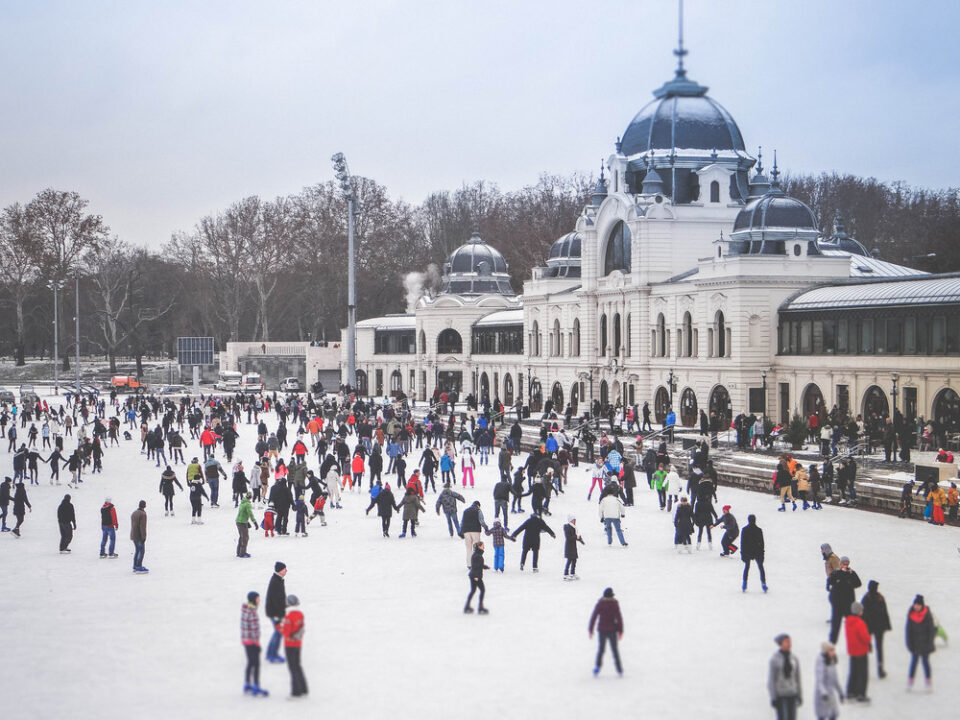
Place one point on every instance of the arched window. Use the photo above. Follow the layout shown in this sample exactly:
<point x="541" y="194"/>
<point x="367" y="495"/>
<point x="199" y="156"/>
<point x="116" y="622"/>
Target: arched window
<point x="557" y="339"/>
<point x="361" y="382"/>
<point x="627" y="346"/>
<point x="617" y="254"/>
<point x="423" y="343"/>
<point x="688" y="334"/>
<point x="720" y="334"/>
<point x="535" y="339"/>
<point x="616" y="335"/>
<point x="603" y="334"/>
<point x="396" y="382"/>
<point x="661" y="336"/>
<point x="507" y="390"/>
<point x="449" y="342"/>
<point x="714" y="192"/>
<point x="575" y="348"/>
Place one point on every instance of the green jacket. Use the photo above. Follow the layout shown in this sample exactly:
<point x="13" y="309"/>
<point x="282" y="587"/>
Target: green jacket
<point x="192" y="470"/>
<point x="246" y="512"/>
<point x="659" y="481"/>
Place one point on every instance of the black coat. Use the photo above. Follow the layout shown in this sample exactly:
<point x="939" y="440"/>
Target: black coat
<point x="683" y="519"/>
<point x="531" y="529"/>
<point x="385" y="503"/>
<point x="65" y="514"/>
<point x="751" y="543"/>
<point x="501" y="491"/>
<point x="875" y="611"/>
<point x="276" y="606"/>
<point x="570" y="538"/>
<point x="476" y="565"/>
<point x="841" y="586"/>
<point x="920" y="635"/>
<point x="280" y="496"/>
<point x="20" y="501"/>
<point x="471" y="520"/>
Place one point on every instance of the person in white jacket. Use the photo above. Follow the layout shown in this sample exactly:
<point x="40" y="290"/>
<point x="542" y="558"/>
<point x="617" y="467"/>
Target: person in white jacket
<point x="674" y="488"/>
<point x="827" y="689"/>
<point x="333" y="486"/>
<point x="611" y="510"/>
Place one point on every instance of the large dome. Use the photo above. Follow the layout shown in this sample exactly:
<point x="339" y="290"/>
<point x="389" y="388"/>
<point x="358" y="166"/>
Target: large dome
<point x="682" y="117"/>
<point x="564" y="260"/>
<point x="476" y="268"/>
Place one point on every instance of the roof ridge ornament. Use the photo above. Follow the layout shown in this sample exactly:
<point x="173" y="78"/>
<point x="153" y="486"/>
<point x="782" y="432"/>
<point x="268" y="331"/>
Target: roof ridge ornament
<point x="680" y="84"/>
<point x="680" y="52"/>
<point x="759" y="159"/>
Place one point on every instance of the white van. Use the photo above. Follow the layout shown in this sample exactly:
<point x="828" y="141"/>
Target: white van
<point x="229" y="381"/>
<point x="252" y="383"/>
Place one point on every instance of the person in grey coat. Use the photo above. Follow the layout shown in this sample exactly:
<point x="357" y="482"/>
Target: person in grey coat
<point x="448" y="501"/>
<point x="783" y="680"/>
<point x="827" y="689"/>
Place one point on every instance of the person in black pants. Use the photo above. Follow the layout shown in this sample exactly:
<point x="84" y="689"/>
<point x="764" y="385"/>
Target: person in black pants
<point x="751" y="548"/>
<point x="68" y="523"/>
<point x="608" y="621"/>
<point x="877" y="619"/>
<point x="476" y="579"/>
<point x="531" y="529"/>
<point x="841" y="585"/>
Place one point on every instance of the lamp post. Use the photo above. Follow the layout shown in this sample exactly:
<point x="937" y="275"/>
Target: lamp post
<point x="346" y="185"/>
<point x="55" y="285"/>
<point x="671" y="381"/>
<point x="76" y="318"/>
<point x="763" y="374"/>
<point x="894" y="376"/>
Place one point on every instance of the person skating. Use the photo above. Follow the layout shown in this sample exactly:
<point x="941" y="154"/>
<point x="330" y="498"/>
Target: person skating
<point x="411" y="507"/>
<point x="731" y="530"/>
<point x="476" y="579"/>
<point x="608" y="621"/>
<point x="108" y="527"/>
<point x="752" y="549"/>
<point x="531" y="528"/>
<point x="197" y="493"/>
<point x="21" y="504"/>
<point x="858" y="648"/>
<point x="275" y="609"/>
<point x="302" y="510"/>
<point x="921" y="631"/>
<point x="292" y="629"/>
<point x="783" y="680"/>
<point x="470" y="526"/>
<point x="250" y="639"/>
<point x="683" y="525"/>
<point x="570" y="539"/>
<point x="138" y="534"/>
<point x="244" y="520"/>
<point x="67" y="519"/>
<point x="447" y="500"/>
<point x="877" y="619"/>
<point x="5" y="489"/>
<point x="827" y="693"/>
<point x="703" y="513"/>
<point x="168" y="478"/>
<point x="611" y="510"/>
<point x="841" y="584"/>
<point x="499" y="533"/>
<point x="385" y="507"/>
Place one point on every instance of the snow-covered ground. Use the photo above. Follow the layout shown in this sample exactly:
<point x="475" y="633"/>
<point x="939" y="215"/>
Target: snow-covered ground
<point x="386" y="636"/>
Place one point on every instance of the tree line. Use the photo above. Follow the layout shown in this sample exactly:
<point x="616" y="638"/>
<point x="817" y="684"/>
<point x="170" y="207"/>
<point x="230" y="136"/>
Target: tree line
<point x="276" y="269"/>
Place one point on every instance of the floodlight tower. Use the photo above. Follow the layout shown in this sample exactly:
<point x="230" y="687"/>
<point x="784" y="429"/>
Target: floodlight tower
<point x="346" y="184"/>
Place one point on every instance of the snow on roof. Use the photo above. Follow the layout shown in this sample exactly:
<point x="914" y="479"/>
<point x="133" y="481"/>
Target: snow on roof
<point x="933" y="290"/>
<point x="862" y="266"/>
<point x="390" y="322"/>
<point x="501" y="317"/>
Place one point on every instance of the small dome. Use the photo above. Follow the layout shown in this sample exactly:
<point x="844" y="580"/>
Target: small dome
<point x="564" y="260"/>
<point x="841" y="241"/>
<point x="775" y="211"/>
<point x="476" y="268"/>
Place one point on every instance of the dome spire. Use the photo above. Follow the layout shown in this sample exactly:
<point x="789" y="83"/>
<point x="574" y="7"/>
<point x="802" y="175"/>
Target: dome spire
<point x="759" y="159"/>
<point x="775" y="174"/>
<point x="680" y="52"/>
<point x="680" y="85"/>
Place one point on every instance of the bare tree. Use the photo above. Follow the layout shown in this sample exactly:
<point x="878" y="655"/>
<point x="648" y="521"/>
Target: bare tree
<point x="18" y="264"/>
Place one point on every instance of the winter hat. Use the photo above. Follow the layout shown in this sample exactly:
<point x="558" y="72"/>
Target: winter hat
<point x="855" y="608"/>
<point x="571" y="518"/>
<point x="143" y="504"/>
<point x="726" y="508"/>
<point x="292" y="600"/>
<point x="918" y="600"/>
<point x="608" y="593"/>
<point x="826" y="549"/>
<point x="278" y="566"/>
<point x="106" y="499"/>
<point x="66" y="497"/>
<point x="751" y="519"/>
<point x="872" y="586"/>
<point x="844" y="559"/>
<point x="476" y="503"/>
<point x="252" y="596"/>
<point x="826" y="647"/>
<point x="780" y="638"/>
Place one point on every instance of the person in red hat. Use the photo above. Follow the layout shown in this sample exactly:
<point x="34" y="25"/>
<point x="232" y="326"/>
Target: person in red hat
<point x="730" y="532"/>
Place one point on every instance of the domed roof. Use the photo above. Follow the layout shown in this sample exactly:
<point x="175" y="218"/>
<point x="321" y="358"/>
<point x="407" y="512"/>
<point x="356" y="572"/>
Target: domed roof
<point x="775" y="211"/>
<point x="564" y="260"/>
<point x="841" y="241"/>
<point x="476" y="268"/>
<point x="681" y="116"/>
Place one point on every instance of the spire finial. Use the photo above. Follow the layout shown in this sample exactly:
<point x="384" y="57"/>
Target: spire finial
<point x="775" y="174"/>
<point x="601" y="170"/>
<point x="680" y="52"/>
<point x="759" y="159"/>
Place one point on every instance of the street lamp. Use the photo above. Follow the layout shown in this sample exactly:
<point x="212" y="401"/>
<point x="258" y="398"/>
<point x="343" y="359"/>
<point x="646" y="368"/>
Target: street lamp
<point x="671" y="382"/>
<point x="894" y="376"/>
<point x="55" y="286"/>
<point x="346" y="185"/>
<point x="763" y="374"/>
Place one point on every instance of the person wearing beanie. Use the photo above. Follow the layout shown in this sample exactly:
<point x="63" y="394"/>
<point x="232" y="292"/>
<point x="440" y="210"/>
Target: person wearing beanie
<point x="608" y="621"/>
<point x="499" y="533"/>
<point x="138" y="534"/>
<point x="571" y="538"/>
<point x="250" y="639"/>
<point x="275" y="609"/>
<point x="447" y="501"/>
<point x="783" y="680"/>
<point x="731" y="530"/>
<point x="877" y="620"/>
<point x="67" y="519"/>
<point x="921" y="631"/>
<point x="828" y="692"/>
<point x="841" y="585"/>
<point x="751" y="548"/>
<point x="292" y="629"/>
<point x="858" y="648"/>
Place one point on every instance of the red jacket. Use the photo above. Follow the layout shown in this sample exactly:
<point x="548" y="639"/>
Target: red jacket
<point x="292" y="629"/>
<point x="207" y="438"/>
<point x="607" y="612"/>
<point x="858" y="636"/>
<point x="357" y="465"/>
<point x="299" y="448"/>
<point x="415" y="483"/>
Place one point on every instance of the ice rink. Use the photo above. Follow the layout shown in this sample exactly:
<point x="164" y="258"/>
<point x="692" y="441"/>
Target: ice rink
<point x="385" y="633"/>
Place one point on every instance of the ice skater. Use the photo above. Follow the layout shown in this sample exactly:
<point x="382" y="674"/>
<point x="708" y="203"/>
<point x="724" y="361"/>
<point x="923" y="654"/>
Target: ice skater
<point x="292" y="629"/>
<point x="67" y="519"/>
<point x="731" y="530"/>
<point x="250" y="639"/>
<point x="571" y="537"/>
<point x="683" y="525"/>
<point x="168" y="478"/>
<point x="751" y="549"/>
<point x="476" y="579"/>
<point x="499" y="533"/>
<point x="276" y="609"/>
<point x="532" y="527"/>
<point x="608" y="621"/>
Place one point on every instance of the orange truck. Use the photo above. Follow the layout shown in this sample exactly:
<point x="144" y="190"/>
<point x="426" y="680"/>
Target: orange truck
<point x="124" y="382"/>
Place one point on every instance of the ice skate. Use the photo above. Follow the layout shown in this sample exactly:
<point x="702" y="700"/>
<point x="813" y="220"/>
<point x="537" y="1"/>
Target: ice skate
<point x="782" y="508"/>
<point x="467" y="610"/>
<point x="764" y="586"/>
<point x="483" y="611"/>
<point x="259" y="691"/>
<point x="743" y="588"/>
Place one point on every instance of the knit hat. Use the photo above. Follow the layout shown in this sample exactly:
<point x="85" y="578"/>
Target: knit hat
<point x="918" y="600"/>
<point x="571" y="518"/>
<point x="608" y="593"/>
<point x="726" y="508"/>
<point x="826" y="647"/>
<point x="780" y="638"/>
<point x="856" y="608"/>
<point x="278" y="566"/>
<point x="292" y="600"/>
<point x="844" y="559"/>
<point x="252" y="595"/>
<point x="826" y="549"/>
<point x="106" y="499"/>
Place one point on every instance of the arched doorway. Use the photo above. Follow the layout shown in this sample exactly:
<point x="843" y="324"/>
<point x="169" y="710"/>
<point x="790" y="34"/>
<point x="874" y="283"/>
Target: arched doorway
<point x="361" y="382"/>
<point x="946" y="409"/>
<point x="396" y="383"/>
<point x="661" y="404"/>
<point x="720" y="406"/>
<point x="688" y="407"/>
<point x="507" y="390"/>
<point x="812" y="401"/>
<point x="575" y="397"/>
<point x="556" y="394"/>
<point x="604" y="395"/>
<point x="484" y="386"/>
<point x="615" y="393"/>
<point x="875" y="403"/>
<point x="449" y="342"/>
<point x="536" y="396"/>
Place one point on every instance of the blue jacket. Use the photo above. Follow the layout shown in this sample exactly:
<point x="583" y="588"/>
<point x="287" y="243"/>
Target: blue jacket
<point x="446" y="462"/>
<point x="671" y="418"/>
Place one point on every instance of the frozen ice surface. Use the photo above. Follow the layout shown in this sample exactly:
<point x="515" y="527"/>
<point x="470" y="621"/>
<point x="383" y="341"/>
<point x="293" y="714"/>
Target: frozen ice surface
<point x="386" y="636"/>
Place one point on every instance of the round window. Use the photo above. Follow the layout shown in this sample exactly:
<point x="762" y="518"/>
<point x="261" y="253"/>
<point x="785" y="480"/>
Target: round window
<point x="796" y="250"/>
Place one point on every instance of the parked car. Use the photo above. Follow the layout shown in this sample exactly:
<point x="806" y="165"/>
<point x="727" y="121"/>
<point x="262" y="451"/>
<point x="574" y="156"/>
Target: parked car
<point x="7" y="396"/>
<point x="290" y="384"/>
<point x="179" y="390"/>
<point x="28" y="396"/>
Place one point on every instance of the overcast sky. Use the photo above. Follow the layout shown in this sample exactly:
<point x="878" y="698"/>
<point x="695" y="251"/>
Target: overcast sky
<point x="161" y="112"/>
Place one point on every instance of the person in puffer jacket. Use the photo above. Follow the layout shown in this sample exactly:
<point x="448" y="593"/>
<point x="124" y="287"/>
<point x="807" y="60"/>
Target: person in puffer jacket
<point x="608" y="621"/>
<point x="447" y="500"/>
<point x="292" y="629"/>
<point x="499" y="533"/>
